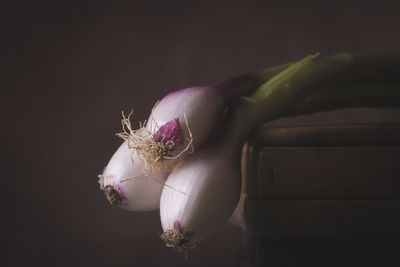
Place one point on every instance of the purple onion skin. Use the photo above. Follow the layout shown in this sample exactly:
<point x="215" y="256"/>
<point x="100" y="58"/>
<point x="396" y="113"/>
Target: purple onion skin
<point x="170" y="132"/>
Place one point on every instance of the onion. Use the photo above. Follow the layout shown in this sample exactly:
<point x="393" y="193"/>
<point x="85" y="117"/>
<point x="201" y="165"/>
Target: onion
<point x="203" y="190"/>
<point x="184" y="118"/>
<point x="199" y="196"/>
<point x="125" y="185"/>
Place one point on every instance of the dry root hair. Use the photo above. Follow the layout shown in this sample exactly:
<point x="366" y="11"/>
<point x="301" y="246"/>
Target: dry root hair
<point x="155" y="154"/>
<point x="178" y="240"/>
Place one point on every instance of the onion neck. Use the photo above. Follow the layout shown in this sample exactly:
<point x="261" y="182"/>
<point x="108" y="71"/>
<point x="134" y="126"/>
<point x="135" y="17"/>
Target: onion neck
<point x="244" y="84"/>
<point x="237" y="125"/>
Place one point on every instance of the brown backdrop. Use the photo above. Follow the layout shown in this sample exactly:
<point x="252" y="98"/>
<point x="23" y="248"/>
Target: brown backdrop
<point x="70" y="68"/>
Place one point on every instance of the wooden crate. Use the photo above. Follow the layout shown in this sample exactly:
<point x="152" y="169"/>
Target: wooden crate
<point x="339" y="181"/>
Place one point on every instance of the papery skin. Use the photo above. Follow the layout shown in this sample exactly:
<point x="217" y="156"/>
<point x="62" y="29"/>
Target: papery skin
<point x="200" y="194"/>
<point x="138" y="191"/>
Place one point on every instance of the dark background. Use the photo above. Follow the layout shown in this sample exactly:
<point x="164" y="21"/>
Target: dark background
<point x="70" y="68"/>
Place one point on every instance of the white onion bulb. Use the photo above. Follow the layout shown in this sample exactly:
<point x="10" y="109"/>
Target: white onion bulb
<point x="125" y="184"/>
<point x="198" y="197"/>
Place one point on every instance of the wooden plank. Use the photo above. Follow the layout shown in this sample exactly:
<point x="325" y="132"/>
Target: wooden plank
<point x="371" y="172"/>
<point x="311" y="219"/>
<point x="328" y="135"/>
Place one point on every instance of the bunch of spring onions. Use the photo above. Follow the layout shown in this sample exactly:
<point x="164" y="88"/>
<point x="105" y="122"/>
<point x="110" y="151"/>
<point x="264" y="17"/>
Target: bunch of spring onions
<point x="185" y="160"/>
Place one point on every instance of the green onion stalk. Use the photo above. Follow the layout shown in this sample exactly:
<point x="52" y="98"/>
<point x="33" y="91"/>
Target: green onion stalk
<point x="313" y="85"/>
